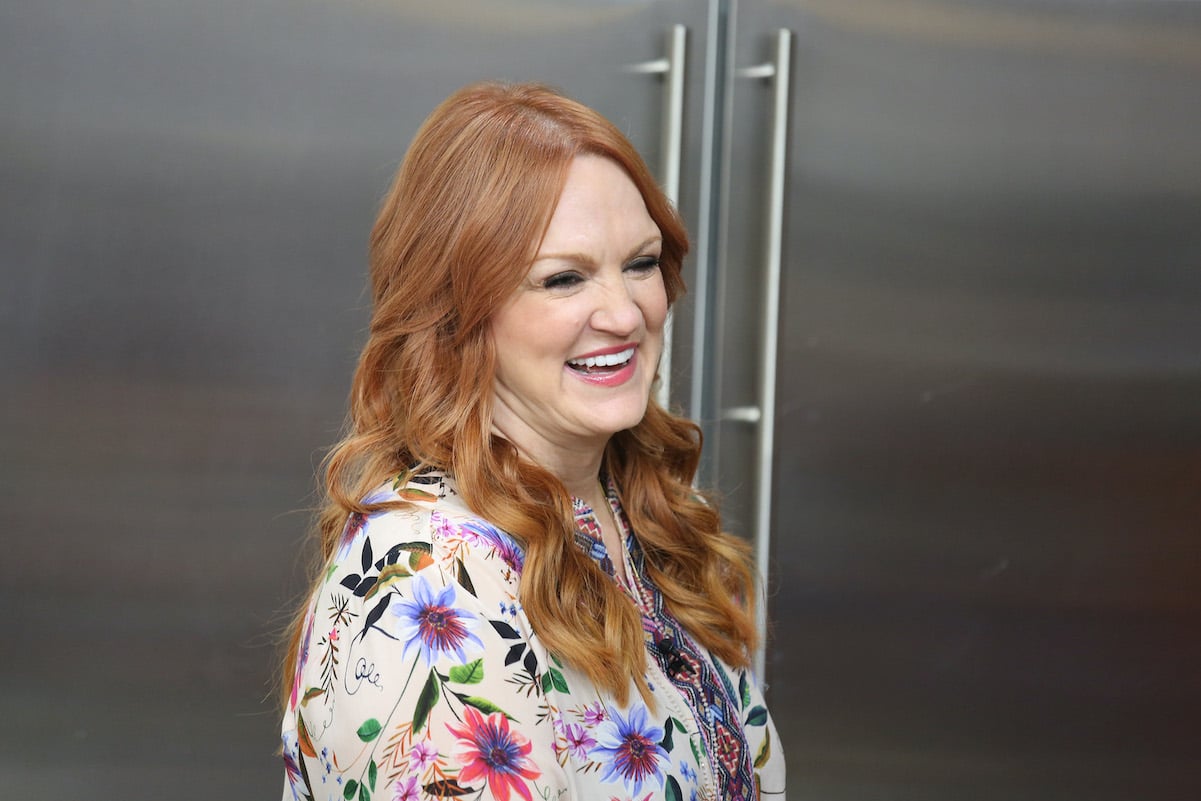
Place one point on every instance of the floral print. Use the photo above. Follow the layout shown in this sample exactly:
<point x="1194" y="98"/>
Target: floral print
<point x="419" y="677"/>
<point x="630" y="749"/>
<point x="494" y="753"/>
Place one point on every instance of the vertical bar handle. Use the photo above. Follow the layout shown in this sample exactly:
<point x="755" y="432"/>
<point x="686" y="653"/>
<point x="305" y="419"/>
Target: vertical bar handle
<point x="764" y="415"/>
<point x="672" y="68"/>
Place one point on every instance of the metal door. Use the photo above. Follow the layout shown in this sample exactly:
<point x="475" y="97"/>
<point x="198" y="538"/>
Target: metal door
<point x="985" y="552"/>
<point x="187" y="192"/>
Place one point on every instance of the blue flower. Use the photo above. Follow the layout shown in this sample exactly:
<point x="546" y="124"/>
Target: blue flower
<point x="629" y="749"/>
<point x="687" y="772"/>
<point x="431" y="623"/>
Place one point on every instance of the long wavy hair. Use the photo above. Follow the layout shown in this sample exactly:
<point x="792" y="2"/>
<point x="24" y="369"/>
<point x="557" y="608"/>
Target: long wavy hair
<point x="455" y="236"/>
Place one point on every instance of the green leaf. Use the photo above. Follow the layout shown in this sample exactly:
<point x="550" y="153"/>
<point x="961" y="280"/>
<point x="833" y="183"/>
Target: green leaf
<point x="372" y="773"/>
<point x="311" y="693"/>
<point x="757" y="717"/>
<point x="674" y="793"/>
<point x="350" y="789"/>
<point x="764" y="750"/>
<point x="546" y="682"/>
<point x="471" y="673"/>
<point x="557" y="679"/>
<point x="555" y="659"/>
<point x="744" y="689"/>
<point x="425" y="702"/>
<point x="696" y="752"/>
<point x="369" y="730"/>
<point x="485" y="706"/>
<point x="364" y="793"/>
<point x="676" y="722"/>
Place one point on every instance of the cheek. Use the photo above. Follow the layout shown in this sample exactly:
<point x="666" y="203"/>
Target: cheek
<point x="653" y="302"/>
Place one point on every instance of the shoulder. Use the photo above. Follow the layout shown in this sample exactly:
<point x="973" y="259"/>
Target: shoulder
<point x="422" y="522"/>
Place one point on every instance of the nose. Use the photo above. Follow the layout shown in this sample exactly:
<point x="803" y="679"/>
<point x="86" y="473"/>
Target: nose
<point x="616" y="312"/>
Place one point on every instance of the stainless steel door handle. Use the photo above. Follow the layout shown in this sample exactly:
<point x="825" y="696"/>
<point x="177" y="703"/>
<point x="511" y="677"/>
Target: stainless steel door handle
<point x="764" y="414"/>
<point x="671" y="67"/>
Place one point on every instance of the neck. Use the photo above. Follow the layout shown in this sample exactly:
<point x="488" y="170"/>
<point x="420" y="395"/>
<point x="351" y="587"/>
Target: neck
<point x="577" y="465"/>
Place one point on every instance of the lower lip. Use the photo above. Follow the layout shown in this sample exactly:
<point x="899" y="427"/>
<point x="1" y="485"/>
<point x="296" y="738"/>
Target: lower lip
<point x="608" y="379"/>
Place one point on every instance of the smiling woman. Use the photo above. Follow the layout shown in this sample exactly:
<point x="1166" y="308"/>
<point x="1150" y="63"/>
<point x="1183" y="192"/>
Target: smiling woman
<point x="521" y="594"/>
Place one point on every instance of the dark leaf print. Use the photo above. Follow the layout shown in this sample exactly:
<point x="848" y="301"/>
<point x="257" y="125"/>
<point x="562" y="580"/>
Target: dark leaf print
<point x="515" y="653"/>
<point x="425" y="702"/>
<point x="471" y="673"/>
<point x="531" y="663"/>
<point x="369" y="730"/>
<point x="351" y="582"/>
<point x="666" y="742"/>
<point x="365" y="586"/>
<point x="349" y="790"/>
<point x="505" y="630"/>
<point x="464" y="578"/>
<point x="393" y="554"/>
<point x="673" y="791"/>
<point x="758" y="716"/>
<point x="376" y="613"/>
<point x="447" y="788"/>
<point x="368" y="557"/>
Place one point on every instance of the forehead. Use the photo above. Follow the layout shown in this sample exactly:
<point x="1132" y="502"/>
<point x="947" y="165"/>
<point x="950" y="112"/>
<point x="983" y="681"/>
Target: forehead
<point x="599" y="205"/>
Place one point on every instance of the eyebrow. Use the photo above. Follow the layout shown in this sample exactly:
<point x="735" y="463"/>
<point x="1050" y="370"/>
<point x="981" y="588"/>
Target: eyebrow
<point x="584" y="258"/>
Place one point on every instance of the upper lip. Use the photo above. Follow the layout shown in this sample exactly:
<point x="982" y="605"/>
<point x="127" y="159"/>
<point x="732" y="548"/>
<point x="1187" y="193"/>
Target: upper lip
<point x="603" y="351"/>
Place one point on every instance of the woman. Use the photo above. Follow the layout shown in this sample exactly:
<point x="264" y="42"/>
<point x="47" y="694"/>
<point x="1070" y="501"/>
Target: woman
<point x="522" y="595"/>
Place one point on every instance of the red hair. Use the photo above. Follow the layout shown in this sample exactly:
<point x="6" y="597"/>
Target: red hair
<point x="454" y="238"/>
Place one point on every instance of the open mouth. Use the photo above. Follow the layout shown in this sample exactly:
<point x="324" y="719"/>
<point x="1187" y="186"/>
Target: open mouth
<point x="608" y="363"/>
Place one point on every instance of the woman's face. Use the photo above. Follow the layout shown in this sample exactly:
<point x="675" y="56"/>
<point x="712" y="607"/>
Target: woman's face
<point x="578" y="343"/>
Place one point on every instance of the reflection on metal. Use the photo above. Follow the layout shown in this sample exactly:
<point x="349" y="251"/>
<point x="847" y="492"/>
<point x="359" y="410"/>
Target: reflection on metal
<point x="672" y="67"/>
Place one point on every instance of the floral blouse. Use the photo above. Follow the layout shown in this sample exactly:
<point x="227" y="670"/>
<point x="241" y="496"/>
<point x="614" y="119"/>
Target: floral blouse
<point x="420" y="677"/>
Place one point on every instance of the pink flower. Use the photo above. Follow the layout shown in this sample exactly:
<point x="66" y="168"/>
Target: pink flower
<point x="423" y="755"/>
<point x="333" y="635"/>
<point x="494" y="753"/>
<point x="408" y="790"/>
<point x="579" y="741"/>
<point x="594" y="713"/>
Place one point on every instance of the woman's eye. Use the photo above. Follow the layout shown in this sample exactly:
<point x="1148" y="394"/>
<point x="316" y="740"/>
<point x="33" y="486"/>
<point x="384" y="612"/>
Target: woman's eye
<point x="562" y="281"/>
<point x="644" y="264"/>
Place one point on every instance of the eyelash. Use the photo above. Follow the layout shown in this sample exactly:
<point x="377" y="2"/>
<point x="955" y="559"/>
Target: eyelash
<point x="571" y="279"/>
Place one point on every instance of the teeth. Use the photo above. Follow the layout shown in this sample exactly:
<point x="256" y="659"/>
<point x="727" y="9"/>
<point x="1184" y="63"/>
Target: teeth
<point x="608" y="360"/>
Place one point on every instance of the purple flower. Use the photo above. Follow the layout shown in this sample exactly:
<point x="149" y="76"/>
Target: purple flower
<point x="629" y="749"/>
<point x="407" y="790"/>
<point x="579" y="741"/>
<point x="479" y="534"/>
<point x="423" y="755"/>
<point x="594" y="713"/>
<point x="431" y="623"/>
